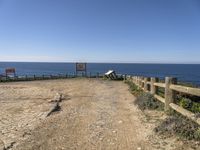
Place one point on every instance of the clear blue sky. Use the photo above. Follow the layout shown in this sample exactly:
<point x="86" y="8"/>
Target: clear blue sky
<point x="155" y="31"/>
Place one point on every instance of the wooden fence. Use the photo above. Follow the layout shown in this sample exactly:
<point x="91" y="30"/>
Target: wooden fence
<point x="47" y="77"/>
<point x="171" y="88"/>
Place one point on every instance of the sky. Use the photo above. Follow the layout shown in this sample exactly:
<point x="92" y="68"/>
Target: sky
<point x="123" y="31"/>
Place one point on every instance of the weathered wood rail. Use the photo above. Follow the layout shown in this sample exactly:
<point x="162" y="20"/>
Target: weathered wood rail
<point x="171" y="88"/>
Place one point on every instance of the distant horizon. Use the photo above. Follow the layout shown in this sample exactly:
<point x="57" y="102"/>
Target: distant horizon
<point x="103" y="62"/>
<point x="184" y="72"/>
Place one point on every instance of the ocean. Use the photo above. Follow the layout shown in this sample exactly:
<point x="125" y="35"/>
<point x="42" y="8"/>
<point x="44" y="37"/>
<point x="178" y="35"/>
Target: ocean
<point x="189" y="73"/>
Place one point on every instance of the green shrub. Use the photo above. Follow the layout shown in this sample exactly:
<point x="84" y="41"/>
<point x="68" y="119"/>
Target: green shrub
<point x="190" y="105"/>
<point x="195" y="107"/>
<point x="186" y="103"/>
<point x="133" y="88"/>
<point x="197" y="134"/>
<point x="144" y="100"/>
<point x="147" y="101"/>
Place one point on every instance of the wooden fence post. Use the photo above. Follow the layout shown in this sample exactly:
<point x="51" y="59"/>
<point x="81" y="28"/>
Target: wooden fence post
<point x="153" y="87"/>
<point x="145" y="84"/>
<point x="170" y="95"/>
<point x="139" y="80"/>
<point x="134" y="79"/>
<point x="97" y="75"/>
<point x="140" y="83"/>
<point x="90" y="75"/>
<point x="126" y="77"/>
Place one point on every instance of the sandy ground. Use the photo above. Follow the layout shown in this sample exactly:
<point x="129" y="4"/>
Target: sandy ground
<point x="95" y="114"/>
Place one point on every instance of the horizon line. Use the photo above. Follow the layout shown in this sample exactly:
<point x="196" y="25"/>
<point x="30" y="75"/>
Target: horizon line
<point x="181" y="63"/>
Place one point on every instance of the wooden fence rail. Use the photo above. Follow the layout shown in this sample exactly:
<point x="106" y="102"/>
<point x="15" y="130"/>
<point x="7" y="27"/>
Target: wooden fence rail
<point x="171" y="88"/>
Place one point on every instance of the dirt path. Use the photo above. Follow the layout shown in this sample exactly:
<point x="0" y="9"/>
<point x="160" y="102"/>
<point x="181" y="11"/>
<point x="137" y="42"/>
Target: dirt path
<point x="95" y="114"/>
<point x="98" y="115"/>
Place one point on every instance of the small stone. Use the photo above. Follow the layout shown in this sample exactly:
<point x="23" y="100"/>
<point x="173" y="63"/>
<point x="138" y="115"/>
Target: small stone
<point x="164" y="143"/>
<point x="112" y="143"/>
<point x="120" y="122"/>
<point x="139" y="148"/>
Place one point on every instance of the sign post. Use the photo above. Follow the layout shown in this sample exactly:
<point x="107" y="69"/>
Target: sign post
<point x="81" y="67"/>
<point x="10" y="71"/>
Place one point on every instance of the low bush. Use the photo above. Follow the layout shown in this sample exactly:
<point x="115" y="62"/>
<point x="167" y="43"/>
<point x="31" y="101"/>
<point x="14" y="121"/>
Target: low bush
<point x="144" y="100"/>
<point x="147" y="101"/>
<point x="190" y="105"/>
<point x="134" y="89"/>
<point x="179" y="125"/>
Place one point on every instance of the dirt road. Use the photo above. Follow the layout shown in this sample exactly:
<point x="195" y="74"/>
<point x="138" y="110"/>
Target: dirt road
<point x="95" y="114"/>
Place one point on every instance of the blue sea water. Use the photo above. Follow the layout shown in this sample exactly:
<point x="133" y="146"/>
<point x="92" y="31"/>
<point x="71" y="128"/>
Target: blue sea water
<point x="184" y="72"/>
